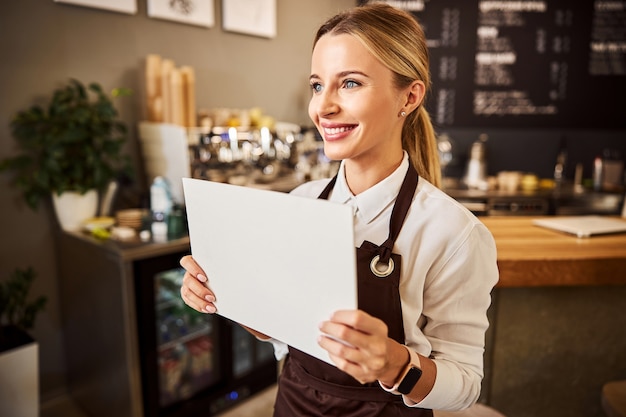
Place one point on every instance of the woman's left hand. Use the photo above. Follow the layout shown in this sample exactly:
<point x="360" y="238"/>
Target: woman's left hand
<point x="367" y="353"/>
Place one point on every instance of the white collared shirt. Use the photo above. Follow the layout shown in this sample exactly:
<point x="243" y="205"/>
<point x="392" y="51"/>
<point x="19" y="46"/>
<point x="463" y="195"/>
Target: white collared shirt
<point x="448" y="271"/>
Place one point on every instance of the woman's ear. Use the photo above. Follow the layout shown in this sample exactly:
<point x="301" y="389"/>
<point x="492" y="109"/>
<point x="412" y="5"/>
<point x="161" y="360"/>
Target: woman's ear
<point x="414" y="95"/>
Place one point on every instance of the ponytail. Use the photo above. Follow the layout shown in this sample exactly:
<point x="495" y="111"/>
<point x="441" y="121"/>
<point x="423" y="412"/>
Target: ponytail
<point x="420" y="142"/>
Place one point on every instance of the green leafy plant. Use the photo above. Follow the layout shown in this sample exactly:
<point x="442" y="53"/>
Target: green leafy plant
<point x="73" y="144"/>
<point x="15" y="308"/>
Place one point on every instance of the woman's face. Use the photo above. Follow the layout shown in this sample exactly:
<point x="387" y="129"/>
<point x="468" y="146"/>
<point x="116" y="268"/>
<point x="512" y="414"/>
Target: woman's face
<point x="355" y="104"/>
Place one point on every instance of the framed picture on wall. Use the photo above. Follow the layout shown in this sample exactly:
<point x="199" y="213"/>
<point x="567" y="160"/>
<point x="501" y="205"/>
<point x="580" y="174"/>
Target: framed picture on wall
<point x="193" y="12"/>
<point x="252" y="17"/>
<point x="123" y="6"/>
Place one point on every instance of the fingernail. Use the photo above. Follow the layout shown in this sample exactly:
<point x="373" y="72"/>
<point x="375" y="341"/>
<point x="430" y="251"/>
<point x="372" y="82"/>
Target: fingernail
<point x="201" y="278"/>
<point x="210" y="308"/>
<point x="210" y="298"/>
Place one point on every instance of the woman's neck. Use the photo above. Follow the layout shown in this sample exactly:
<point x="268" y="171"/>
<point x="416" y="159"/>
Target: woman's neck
<point x="361" y="175"/>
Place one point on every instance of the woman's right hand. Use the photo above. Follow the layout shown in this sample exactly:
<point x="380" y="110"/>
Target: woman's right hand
<point x="194" y="290"/>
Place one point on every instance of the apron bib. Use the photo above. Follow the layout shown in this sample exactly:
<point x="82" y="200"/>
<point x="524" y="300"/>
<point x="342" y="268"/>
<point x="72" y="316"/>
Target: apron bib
<point x="311" y="387"/>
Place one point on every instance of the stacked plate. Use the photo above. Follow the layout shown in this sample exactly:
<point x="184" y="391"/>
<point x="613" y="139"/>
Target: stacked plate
<point x="132" y="218"/>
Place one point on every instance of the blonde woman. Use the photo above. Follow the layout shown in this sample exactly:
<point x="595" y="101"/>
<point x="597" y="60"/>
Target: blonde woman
<point x="426" y="265"/>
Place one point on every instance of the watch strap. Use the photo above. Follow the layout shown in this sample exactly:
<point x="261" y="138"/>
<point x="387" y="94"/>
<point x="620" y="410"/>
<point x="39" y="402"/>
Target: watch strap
<point x="413" y="365"/>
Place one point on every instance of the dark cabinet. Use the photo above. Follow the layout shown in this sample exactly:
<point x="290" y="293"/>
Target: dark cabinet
<point x="134" y="349"/>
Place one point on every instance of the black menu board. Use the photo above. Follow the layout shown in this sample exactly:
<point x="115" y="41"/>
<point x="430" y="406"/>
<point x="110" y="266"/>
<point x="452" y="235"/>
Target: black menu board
<point x="525" y="63"/>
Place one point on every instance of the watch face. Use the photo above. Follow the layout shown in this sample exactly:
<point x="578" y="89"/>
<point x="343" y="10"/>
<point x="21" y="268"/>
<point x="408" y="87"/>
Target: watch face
<point x="409" y="381"/>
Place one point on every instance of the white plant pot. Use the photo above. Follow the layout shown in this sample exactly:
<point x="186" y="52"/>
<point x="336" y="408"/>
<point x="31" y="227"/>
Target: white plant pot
<point x="19" y="381"/>
<point x="72" y="208"/>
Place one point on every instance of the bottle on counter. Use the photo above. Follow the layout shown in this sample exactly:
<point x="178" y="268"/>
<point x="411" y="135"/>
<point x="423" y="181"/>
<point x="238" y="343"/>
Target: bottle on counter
<point x="597" y="173"/>
<point x="476" y="172"/>
<point x="176" y="223"/>
<point x="160" y="207"/>
<point x="559" y="166"/>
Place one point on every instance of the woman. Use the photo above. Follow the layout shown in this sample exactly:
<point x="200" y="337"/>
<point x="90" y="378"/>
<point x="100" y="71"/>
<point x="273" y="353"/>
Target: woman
<point x="426" y="265"/>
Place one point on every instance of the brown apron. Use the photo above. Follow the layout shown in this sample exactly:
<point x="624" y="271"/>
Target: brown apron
<point x="311" y="387"/>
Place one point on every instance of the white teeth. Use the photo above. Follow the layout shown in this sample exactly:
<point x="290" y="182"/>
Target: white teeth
<point x="335" y="130"/>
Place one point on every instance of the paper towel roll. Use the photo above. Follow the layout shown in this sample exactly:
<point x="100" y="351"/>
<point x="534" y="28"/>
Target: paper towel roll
<point x="189" y="95"/>
<point x="177" y="97"/>
<point x="153" y="88"/>
<point x="166" y="68"/>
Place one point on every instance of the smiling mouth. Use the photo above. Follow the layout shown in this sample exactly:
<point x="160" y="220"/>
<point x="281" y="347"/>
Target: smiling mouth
<point x="337" y="130"/>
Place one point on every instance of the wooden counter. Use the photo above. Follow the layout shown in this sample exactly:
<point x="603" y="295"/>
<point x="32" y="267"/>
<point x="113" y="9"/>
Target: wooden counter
<point x="530" y="256"/>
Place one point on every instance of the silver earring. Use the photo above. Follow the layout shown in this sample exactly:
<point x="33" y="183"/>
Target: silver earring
<point x="402" y="113"/>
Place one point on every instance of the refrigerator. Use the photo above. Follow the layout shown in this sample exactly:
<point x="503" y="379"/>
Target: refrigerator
<point x="192" y="364"/>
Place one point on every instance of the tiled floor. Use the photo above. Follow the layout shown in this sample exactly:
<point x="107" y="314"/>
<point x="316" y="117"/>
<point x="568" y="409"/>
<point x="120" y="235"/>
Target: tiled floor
<point x="260" y="405"/>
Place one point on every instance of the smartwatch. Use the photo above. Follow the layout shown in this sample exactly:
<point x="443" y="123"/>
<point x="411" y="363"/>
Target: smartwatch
<point x="409" y="376"/>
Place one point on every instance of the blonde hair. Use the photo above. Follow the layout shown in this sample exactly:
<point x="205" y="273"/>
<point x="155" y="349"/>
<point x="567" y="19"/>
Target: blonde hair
<point x="397" y="40"/>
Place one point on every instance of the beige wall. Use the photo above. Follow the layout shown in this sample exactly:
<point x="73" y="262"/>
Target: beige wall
<point x="43" y="43"/>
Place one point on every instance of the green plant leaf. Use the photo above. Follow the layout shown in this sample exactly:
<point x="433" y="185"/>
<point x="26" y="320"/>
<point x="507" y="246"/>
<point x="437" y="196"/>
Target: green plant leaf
<point x="15" y="309"/>
<point x="74" y="143"/>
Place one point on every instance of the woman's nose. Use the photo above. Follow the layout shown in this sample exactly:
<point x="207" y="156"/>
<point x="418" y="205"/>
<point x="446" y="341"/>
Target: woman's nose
<point x="326" y="103"/>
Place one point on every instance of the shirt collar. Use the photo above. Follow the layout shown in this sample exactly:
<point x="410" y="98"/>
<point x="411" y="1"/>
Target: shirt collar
<point x="371" y="202"/>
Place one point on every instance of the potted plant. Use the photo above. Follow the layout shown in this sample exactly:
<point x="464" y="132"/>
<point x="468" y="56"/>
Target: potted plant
<point x="72" y="146"/>
<point x="19" y="352"/>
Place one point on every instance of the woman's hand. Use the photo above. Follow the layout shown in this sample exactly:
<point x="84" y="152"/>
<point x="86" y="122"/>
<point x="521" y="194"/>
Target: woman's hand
<point x="368" y="354"/>
<point x="194" y="290"/>
<point x="196" y="295"/>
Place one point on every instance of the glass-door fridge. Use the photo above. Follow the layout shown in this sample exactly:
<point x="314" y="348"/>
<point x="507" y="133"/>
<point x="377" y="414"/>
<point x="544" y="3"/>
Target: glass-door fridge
<point x="192" y="364"/>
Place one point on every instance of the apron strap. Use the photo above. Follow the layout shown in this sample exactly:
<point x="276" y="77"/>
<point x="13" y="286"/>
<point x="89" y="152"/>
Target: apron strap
<point x="398" y="214"/>
<point x="326" y="192"/>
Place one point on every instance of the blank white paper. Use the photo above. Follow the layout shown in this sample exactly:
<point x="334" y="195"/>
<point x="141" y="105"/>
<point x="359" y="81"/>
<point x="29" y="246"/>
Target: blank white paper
<point x="278" y="263"/>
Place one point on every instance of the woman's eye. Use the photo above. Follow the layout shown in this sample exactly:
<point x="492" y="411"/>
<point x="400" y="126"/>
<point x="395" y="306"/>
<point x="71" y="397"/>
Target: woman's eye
<point x="350" y="84"/>
<point x="316" y="87"/>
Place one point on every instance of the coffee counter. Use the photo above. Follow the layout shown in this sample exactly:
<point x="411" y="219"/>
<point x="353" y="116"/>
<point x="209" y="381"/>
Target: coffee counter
<point x="530" y="255"/>
<point x="557" y="320"/>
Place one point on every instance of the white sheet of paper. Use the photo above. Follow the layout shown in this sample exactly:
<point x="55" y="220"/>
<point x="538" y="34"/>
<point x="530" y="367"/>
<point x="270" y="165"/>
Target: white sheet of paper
<point x="278" y="263"/>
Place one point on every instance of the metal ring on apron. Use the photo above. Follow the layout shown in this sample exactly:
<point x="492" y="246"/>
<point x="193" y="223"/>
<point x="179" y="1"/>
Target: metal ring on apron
<point x="381" y="273"/>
